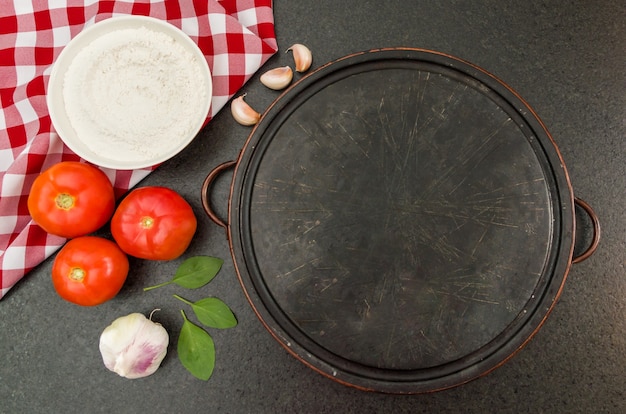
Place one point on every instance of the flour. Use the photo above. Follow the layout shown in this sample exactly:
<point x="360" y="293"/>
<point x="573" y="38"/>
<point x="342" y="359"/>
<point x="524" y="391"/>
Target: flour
<point x="134" y="94"/>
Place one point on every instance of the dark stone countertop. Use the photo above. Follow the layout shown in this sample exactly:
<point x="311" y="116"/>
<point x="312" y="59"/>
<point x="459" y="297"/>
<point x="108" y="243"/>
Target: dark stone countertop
<point x="566" y="59"/>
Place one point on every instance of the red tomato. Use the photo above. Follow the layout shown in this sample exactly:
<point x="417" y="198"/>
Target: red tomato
<point x="89" y="270"/>
<point x="71" y="199"/>
<point x="153" y="223"/>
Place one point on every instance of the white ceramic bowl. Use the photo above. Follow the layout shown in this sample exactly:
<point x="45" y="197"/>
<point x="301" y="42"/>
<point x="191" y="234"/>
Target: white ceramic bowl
<point x="142" y="115"/>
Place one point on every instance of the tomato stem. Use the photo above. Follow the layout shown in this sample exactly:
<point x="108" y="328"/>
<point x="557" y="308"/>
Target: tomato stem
<point x="64" y="201"/>
<point x="147" y="222"/>
<point x="76" y="274"/>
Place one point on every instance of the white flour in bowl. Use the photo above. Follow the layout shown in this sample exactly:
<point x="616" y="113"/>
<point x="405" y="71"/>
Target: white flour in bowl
<point x="134" y="94"/>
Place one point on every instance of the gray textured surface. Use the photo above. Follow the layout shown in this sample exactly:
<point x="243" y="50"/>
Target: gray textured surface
<point x="565" y="58"/>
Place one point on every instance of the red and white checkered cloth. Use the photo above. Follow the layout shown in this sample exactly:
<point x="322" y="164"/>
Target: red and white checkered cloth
<point x="236" y="36"/>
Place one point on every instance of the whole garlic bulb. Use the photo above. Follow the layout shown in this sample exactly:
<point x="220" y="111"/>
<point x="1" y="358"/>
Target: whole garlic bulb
<point x="133" y="346"/>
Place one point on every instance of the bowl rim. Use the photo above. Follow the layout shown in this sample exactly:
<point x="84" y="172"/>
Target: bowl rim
<point x="54" y="95"/>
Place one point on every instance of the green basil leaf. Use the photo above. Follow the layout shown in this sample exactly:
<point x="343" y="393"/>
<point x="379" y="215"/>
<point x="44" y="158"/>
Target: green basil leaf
<point x="197" y="271"/>
<point x="212" y="312"/>
<point x="194" y="272"/>
<point x="196" y="350"/>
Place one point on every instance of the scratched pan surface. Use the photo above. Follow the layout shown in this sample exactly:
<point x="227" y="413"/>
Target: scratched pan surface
<point x="401" y="221"/>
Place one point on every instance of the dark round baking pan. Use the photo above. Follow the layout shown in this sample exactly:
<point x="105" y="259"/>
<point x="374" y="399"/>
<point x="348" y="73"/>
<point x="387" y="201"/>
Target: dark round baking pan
<point x="401" y="221"/>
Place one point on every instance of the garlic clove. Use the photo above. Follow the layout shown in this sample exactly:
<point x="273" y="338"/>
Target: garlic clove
<point x="302" y="57"/>
<point x="133" y="346"/>
<point x="277" y="78"/>
<point x="243" y="113"/>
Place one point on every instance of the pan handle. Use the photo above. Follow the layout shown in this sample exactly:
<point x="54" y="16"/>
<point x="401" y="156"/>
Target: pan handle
<point x="205" y="196"/>
<point x="596" y="231"/>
